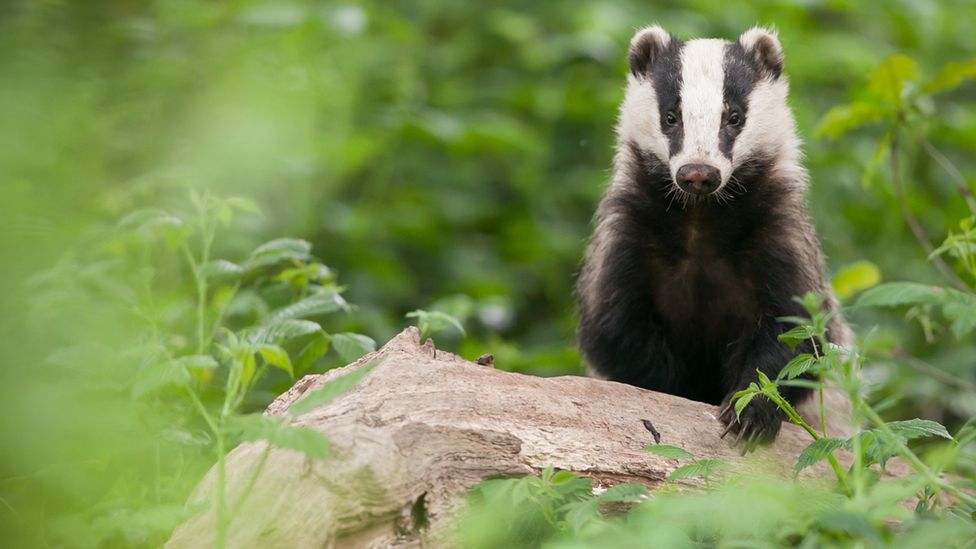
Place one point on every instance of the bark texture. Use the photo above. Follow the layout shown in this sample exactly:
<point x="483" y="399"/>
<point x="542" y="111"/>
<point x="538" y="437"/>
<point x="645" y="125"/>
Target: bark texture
<point x="425" y="425"/>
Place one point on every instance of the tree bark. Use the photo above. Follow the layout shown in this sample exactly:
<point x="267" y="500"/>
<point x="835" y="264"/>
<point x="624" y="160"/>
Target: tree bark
<point x="425" y="425"/>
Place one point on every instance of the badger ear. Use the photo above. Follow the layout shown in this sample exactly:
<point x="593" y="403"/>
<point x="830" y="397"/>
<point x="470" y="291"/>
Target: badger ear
<point x="765" y="50"/>
<point x="645" y="48"/>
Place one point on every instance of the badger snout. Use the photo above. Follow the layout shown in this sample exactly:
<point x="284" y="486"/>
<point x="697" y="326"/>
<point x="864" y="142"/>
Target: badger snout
<point x="698" y="179"/>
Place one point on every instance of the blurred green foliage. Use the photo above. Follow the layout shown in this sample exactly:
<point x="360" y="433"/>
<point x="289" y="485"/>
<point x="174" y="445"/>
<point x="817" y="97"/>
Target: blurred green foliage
<point x="438" y="156"/>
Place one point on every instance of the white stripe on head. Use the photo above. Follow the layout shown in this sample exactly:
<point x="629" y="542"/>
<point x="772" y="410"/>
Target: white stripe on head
<point x="771" y="131"/>
<point x="640" y="119"/>
<point x="702" y="105"/>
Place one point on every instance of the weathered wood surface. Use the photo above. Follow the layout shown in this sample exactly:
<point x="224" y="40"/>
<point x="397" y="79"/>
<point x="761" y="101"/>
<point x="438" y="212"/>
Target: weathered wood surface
<point x="426" y="425"/>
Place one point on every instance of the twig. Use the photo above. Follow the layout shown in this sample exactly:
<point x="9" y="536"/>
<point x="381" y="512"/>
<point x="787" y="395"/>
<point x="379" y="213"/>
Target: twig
<point x="915" y="226"/>
<point x="954" y="173"/>
<point x="924" y="367"/>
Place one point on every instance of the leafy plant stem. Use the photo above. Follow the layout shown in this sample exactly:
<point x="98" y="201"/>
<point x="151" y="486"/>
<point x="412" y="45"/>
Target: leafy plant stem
<point x="222" y="519"/>
<point x="221" y="533"/>
<point x="914" y="460"/>
<point x="795" y="418"/>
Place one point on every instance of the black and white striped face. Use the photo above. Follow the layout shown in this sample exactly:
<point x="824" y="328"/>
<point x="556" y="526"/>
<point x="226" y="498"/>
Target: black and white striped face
<point x="705" y="107"/>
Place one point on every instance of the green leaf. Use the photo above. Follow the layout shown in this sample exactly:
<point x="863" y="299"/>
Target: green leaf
<point x="276" y="251"/>
<point x="244" y="204"/>
<point x="195" y="361"/>
<point x="742" y="401"/>
<point x="844" y="118"/>
<point x="312" y="351"/>
<point x="282" y="330"/>
<point x="960" y="310"/>
<point x="878" y="446"/>
<point x="918" y="428"/>
<point x="159" y="376"/>
<point x="855" y="277"/>
<point x="272" y="429"/>
<point x="625" y="493"/>
<point x="798" y="366"/>
<point x="352" y="346"/>
<point x="893" y="294"/>
<point x="221" y="268"/>
<point x="667" y="451"/>
<point x="331" y="390"/>
<point x="951" y="75"/>
<point x="276" y="356"/>
<point x="432" y="322"/>
<point x="581" y="513"/>
<point x="314" y="305"/>
<point x="881" y="152"/>
<point x="889" y="79"/>
<point x="797" y="335"/>
<point x="818" y="451"/>
<point x="704" y="468"/>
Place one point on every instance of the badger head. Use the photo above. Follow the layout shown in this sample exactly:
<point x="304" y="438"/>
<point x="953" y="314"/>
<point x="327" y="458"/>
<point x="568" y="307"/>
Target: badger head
<point x="704" y="109"/>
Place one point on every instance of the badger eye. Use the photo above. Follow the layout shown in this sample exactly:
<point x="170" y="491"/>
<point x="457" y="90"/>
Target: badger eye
<point x="734" y="119"/>
<point x="671" y="118"/>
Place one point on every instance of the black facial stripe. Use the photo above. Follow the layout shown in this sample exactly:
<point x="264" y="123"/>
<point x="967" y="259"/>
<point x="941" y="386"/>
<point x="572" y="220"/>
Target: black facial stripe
<point x="666" y="77"/>
<point x="741" y="75"/>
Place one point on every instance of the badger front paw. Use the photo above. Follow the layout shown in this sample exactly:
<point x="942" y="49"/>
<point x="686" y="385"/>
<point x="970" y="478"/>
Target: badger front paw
<point x="758" y="423"/>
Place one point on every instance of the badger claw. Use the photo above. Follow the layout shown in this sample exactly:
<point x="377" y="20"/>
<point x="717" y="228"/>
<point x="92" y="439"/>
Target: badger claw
<point x="758" y="424"/>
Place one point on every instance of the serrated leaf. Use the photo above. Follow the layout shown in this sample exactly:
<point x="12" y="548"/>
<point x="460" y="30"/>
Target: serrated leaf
<point x="798" y="366"/>
<point x="352" y="346"/>
<point x="889" y="79"/>
<point x="282" y="330"/>
<point x="844" y="118"/>
<point x="668" y="451"/>
<point x="159" y="376"/>
<point x="917" y="428"/>
<point x="276" y="356"/>
<point x="702" y="468"/>
<point x="581" y="513"/>
<point x="272" y="429"/>
<point x="743" y="401"/>
<point x="796" y="336"/>
<point x="818" y="451"/>
<point x="951" y="75"/>
<point x="960" y="310"/>
<point x="432" y="322"/>
<point x="314" y="305"/>
<point x="311" y="352"/>
<point x="624" y="493"/>
<point x="855" y="277"/>
<point x="195" y="361"/>
<point x="221" y="268"/>
<point x="878" y="446"/>
<point x="893" y="294"/>
<point x="276" y="251"/>
<point x="331" y="390"/>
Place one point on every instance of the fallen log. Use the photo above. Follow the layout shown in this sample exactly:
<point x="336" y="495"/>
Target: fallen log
<point x="426" y="425"/>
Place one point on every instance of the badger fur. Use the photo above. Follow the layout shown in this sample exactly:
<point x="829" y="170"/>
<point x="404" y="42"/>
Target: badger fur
<point x="702" y="238"/>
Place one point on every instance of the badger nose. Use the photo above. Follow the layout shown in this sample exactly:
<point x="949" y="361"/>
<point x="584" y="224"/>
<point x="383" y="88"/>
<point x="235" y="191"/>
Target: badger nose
<point x="698" y="178"/>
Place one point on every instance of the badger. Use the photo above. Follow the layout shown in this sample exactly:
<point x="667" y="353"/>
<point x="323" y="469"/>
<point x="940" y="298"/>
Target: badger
<point x="702" y="239"/>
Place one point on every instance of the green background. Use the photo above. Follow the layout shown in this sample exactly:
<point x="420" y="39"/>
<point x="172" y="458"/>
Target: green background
<point x="438" y="155"/>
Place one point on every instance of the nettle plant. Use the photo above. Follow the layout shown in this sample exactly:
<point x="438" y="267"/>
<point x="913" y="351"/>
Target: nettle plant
<point x="245" y="320"/>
